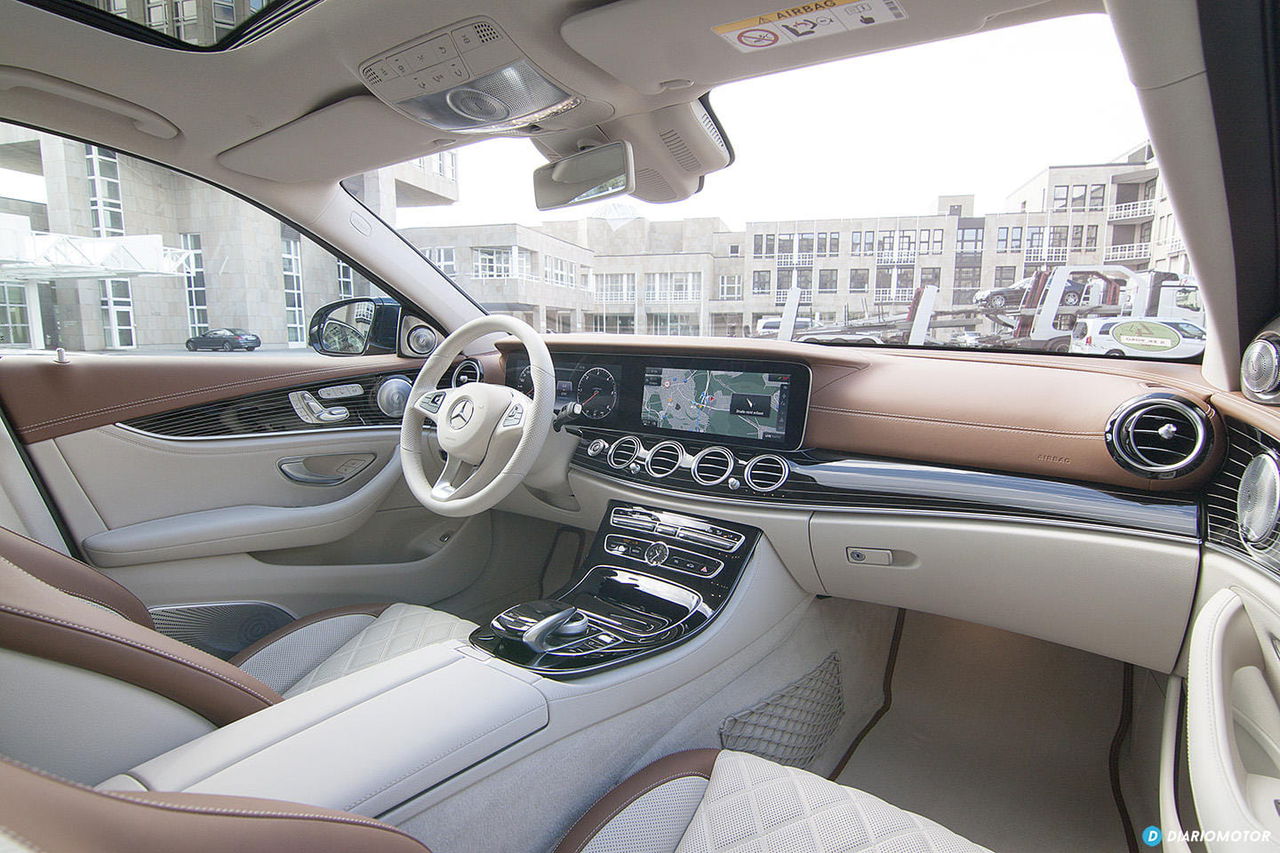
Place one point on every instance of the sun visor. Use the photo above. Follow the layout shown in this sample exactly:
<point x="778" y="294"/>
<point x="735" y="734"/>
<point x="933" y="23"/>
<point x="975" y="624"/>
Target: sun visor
<point x="675" y="44"/>
<point x="338" y="141"/>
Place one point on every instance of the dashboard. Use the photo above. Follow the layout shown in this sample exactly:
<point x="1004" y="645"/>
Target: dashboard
<point x="745" y="402"/>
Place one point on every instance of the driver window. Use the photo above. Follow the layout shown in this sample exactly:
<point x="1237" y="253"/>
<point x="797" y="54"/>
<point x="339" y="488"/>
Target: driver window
<point x="171" y="258"/>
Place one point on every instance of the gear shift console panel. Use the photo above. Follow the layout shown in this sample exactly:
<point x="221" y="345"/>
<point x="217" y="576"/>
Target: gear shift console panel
<point x="653" y="578"/>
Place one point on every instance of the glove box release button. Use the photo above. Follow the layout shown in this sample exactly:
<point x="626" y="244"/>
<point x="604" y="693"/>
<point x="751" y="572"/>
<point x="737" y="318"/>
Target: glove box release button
<point x="869" y="556"/>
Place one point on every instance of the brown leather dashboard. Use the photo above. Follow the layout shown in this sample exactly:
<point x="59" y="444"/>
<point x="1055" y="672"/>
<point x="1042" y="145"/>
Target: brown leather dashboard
<point x="1041" y="415"/>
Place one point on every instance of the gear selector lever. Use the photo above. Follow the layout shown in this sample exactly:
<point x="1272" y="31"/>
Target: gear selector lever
<point x="538" y="624"/>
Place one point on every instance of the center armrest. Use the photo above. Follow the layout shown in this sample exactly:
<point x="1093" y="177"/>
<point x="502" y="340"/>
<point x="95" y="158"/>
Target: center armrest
<point x="365" y="742"/>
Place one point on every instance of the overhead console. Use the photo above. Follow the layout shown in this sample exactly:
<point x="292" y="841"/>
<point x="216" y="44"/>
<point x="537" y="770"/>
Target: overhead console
<point x="470" y="77"/>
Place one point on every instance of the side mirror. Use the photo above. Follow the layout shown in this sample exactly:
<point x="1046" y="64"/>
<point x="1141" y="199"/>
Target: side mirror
<point x="363" y="326"/>
<point x="590" y="175"/>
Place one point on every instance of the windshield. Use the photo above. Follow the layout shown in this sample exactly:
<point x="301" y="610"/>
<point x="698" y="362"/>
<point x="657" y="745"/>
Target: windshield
<point x="990" y="191"/>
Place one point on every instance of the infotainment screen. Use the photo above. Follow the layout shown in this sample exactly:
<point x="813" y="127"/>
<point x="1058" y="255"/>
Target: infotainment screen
<point x="730" y="403"/>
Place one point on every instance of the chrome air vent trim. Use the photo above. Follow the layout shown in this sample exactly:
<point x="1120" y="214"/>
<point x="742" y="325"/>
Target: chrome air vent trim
<point x="468" y="370"/>
<point x="1159" y="436"/>
<point x="664" y="459"/>
<point x="712" y="465"/>
<point x="766" y="472"/>
<point x="624" y="451"/>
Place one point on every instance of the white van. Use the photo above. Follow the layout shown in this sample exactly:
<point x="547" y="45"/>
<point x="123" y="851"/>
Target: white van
<point x="1138" y="337"/>
<point x="770" y="325"/>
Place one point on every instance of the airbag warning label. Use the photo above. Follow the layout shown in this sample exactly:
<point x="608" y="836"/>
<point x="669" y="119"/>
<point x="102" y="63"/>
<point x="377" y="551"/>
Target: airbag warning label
<point x="808" y="21"/>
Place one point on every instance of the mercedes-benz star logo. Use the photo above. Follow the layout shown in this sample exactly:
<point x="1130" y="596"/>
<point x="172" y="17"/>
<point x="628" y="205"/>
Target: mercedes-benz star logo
<point x="461" y="414"/>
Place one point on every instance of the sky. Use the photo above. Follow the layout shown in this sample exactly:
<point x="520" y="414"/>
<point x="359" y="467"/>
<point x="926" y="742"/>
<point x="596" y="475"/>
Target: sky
<point x="880" y="135"/>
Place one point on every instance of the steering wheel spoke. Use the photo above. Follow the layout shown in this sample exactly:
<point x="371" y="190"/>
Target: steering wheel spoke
<point x="452" y="479"/>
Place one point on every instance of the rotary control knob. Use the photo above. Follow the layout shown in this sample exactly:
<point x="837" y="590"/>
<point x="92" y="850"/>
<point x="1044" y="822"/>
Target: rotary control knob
<point x="596" y="447"/>
<point x="656" y="554"/>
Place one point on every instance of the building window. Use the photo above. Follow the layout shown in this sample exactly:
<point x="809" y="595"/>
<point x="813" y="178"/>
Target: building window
<point x="1077" y="236"/>
<point x="786" y="244"/>
<point x="858" y="279"/>
<point x="115" y="297"/>
<point x="930" y="276"/>
<point x="1060" y="195"/>
<point x="955" y="210"/>
<point x="15" y="324"/>
<point x="224" y="12"/>
<point x="1035" y="237"/>
<point x="105" y="205"/>
<point x="346" y="281"/>
<point x="295" y="320"/>
<point x="1078" y="193"/>
<point x="1015" y="239"/>
<point x="969" y="240"/>
<point x="617" y="287"/>
<point x="730" y="287"/>
<point x="673" y="287"/>
<point x="618" y="324"/>
<point x="1091" y="237"/>
<point x="1058" y="237"/>
<point x="826" y="281"/>
<point x="1002" y="239"/>
<point x="760" y="281"/>
<point x="1097" y="196"/>
<point x="735" y="249"/>
<point x="828" y="244"/>
<point x="197" y="295"/>
<point x="804" y="279"/>
<point x="443" y="258"/>
<point x="1005" y="276"/>
<point x="673" y="324"/>
<point x="493" y="262"/>
<point x="855" y="243"/>
<point x="885" y="243"/>
<point x="967" y="280"/>
<point x="804" y="243"/>
<point x="555" y="270"/>
<point x="784" y="280"/>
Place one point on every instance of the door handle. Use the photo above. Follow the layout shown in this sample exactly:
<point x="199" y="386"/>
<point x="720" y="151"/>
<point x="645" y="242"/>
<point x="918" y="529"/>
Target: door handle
<point x="328" y="470"/>
<point x="311" y="410"/>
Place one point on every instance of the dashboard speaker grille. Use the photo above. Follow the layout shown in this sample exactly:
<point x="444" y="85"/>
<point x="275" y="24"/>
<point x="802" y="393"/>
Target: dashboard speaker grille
<point x="766" y="473"/>
<point x="1260" y="367"/>
<point x="1159" y="436"/>
<point x="1258" y="500"/>
<point x="664" y="459"/>
<point x="712" y="466"/>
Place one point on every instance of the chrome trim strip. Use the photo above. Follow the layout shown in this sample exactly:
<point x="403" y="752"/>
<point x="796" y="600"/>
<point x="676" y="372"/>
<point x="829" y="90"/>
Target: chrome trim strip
<point x="954" y="515"/>
<point x="313" y="432"/>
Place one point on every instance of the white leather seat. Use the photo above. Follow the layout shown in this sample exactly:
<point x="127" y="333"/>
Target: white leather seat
<point x="718" y="801"/>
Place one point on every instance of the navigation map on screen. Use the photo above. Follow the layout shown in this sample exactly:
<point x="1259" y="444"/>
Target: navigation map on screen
<point x="718" y="402"/>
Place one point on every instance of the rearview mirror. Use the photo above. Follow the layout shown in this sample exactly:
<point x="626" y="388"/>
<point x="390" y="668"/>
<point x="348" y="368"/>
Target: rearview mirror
<point x="590" y="175"/>
<point x="363" y="326"/>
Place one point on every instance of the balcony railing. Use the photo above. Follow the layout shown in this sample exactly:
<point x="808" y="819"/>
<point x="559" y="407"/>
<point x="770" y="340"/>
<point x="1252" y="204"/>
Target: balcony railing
<point x="795" y="259"/>
<point x="1132" y="210"/>
<point x="1046" y="254"/>
<point x="780" y="298"/>
<point x="890" y="257"/>
<point x="884" y="294"/>
<point x="1176" y="246"/>
<point x="1129" y="252"/>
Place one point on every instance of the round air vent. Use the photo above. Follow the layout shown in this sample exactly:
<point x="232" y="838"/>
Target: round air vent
<point x="712" y="466"/>
<point x="468" y="370"/>
<point x="1260" y="367"/>
<point x="1258" y="499"/>
<point x="664" y="459"/>
<point x="1158" y="436"/>
<point x="766" y="473"/>
<point x="624" y="451"/>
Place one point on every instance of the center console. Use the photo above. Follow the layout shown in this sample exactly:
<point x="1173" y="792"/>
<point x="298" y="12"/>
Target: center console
<point x="653" y="579"/>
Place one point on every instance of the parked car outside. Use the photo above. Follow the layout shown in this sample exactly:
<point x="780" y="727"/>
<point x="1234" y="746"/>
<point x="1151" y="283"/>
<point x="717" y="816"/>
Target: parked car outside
<point x="1167" y="337"/>
<point x="1014" y="295"/>
<point x="225" y="340"/>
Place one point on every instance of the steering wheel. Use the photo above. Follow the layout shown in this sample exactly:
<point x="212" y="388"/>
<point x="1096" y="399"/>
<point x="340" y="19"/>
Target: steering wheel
<point x="491" y="434"/>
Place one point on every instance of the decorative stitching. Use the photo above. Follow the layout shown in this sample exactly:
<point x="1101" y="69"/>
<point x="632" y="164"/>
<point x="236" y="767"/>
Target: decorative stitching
<point x="134" y="644"/>
<point x="21" y="840"/>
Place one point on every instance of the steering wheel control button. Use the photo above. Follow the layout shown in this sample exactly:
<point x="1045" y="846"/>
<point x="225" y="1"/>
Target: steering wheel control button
<point x="431" y="402"/>
<point x="514" y="415"/>
<point x="869" y="556"/>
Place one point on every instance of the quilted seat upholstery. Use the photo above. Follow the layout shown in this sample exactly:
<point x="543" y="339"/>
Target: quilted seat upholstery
<point x="719" y="801"/>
